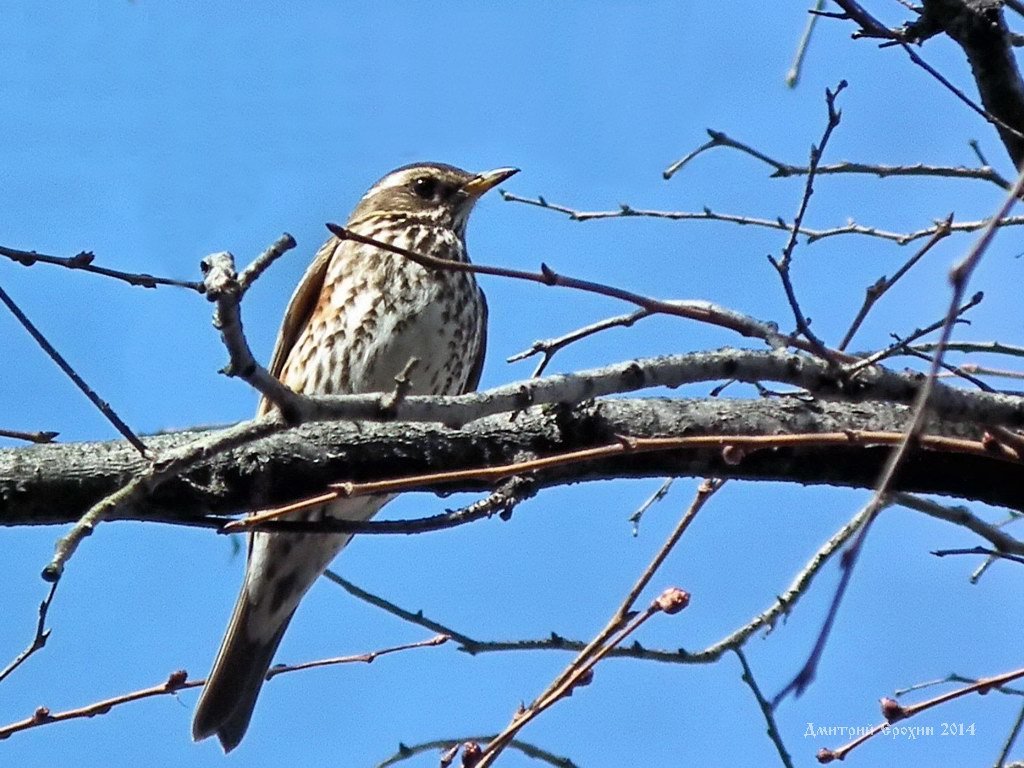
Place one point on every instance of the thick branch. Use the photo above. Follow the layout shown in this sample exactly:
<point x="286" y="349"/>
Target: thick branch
<point x="980" y="29"/>
<point x="45" y="484"/>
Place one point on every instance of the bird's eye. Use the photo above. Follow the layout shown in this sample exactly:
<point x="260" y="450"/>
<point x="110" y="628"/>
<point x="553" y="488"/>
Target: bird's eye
<point x="425" y="187"/>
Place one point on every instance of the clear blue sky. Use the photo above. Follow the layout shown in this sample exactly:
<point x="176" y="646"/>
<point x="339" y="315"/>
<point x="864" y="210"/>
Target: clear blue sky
<point x="155" y="133"/>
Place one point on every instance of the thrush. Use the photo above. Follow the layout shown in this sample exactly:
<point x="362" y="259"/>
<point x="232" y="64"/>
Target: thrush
<point x="358" y="316"/>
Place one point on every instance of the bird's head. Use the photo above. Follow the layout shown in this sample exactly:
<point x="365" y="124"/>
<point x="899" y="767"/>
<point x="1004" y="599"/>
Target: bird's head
<point x="433" y="193"/>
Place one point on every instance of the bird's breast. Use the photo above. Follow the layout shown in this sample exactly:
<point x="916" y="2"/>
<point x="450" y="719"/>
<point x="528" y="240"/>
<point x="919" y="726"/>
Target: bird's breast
<point x="377" y="310"/>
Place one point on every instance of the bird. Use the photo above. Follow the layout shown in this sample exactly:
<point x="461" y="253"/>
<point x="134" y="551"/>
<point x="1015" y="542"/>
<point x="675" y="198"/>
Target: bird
<point x="357" y="317"/>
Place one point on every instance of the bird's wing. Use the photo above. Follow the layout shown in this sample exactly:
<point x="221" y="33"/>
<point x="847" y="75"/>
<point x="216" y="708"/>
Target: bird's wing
<point x="301" y="306"/>
<point x="478" y="364"/>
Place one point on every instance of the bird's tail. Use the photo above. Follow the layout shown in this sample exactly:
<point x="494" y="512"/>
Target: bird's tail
<point x="229" y="696"/>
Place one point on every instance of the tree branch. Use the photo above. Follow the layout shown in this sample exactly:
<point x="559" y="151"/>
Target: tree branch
<point x="47" y="484"/>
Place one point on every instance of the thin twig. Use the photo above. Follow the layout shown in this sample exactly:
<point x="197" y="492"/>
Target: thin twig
<point x="622" y="624"/>
<point x="367" y="658"/>
<point x="1011" y="738"/>
<point x="38" y="641"/>
<point x="416" y="618"/>
<point x="782" y="264"/>
<point x="904" y="345"/>
<point x="83" y="262"/>
<point x="766" y="710"/>
<point x="783" y="170"/>
<point x="895" y="712"/>
<point x="812" y="235"/>
<point x="883" y="284"/>
<point x="178" y="681"/>
<point x="1019" y="559"/>
<point x="408" y="751"/>
<point x="651" y="500"/>
<point x="39" y="438"/>
<point x="72" y="374"/>
<point x="670" y="601"/>
<point x="548" y="347"/>
<point x="694" y="310"/>
<point x="166" y="467"/>
<point x="959" y="277"/>
<point x="963" y="517"/>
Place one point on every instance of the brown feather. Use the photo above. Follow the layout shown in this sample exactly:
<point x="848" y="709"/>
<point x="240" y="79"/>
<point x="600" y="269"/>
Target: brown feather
<point x="300" y="308"/>
<point x="478" y="365"/>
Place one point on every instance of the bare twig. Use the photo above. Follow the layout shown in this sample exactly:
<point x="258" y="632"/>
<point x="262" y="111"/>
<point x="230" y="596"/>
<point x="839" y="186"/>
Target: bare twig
<point x="40" y="438"/>
<point x="83" y="261"/>
<point x="1011" y="738"/>
<point x="812" y="235"/>
<point x="72" y="374"/>
<point x="416" y="617"/>
<point x="548" y="347"/>
<point x="782" y="170"/>
<point x="367" y="658"/>
<point x="904" y="345"/>
<point x="993" y="347"/>
<point x="38" y="641"/>
<point x="766" y="710"/>
<point x="653" y="499"/>
<point x="166" y="467"/>
<point x="623" y="623"/>
<point x="178" y="681"/>
<point x="408" y="751"/>
<point x="883" y="284"/>
<point x="1019" y="559"/>
<point x="226" y="288"/>
<point x="670" y="601"/>
<point x="959" y="277"/>
<point x="782" y="264"/>
<point x="895" y="712"/>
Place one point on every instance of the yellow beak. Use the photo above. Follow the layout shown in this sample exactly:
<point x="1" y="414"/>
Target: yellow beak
<point x="479" y="184"/>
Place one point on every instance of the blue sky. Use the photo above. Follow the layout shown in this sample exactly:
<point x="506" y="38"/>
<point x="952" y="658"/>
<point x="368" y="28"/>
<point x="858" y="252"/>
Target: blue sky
<point x="155" y="133"/>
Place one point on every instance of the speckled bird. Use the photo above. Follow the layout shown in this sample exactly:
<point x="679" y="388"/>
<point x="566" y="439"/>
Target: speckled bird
<point x="357" y="317"/>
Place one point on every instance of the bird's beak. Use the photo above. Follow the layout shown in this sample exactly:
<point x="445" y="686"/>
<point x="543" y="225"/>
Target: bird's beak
<point x="479" y="184"/>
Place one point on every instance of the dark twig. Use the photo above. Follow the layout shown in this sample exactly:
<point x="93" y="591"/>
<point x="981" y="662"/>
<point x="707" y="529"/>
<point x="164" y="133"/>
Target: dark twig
<point x="83" y="262"/>
<point x="895" y="712"/>
<point x="701" y="311"/>
<point x="993" y="347"/>
<point x="1011" y="738"/>
<point x="408" y="751"/>
<point x="782" y="264"/>
<point x="39" y="438"/>
<point x="416" y="618"/>
<point x="883" y="284"/>
<point x="782" y="170"/>
<point x="990" y="59"/>
<point x="178" y="681"/>
<point x="623" y="623"/>
<point x="766" y="710"/>
<point x="366" y="658"/>
<point x="41" y="636"/>
<point x="70" y="372"/>
<point x="979" y="551"/>
<point x="548" y="347"/>
<point x="780" y="224"/>
<point x="904" y="345"/>
<point x="869" y="25"/>
<point x="963" y="517"/>
<point x="651" y="500"/>
<point x="959" y="277"/>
